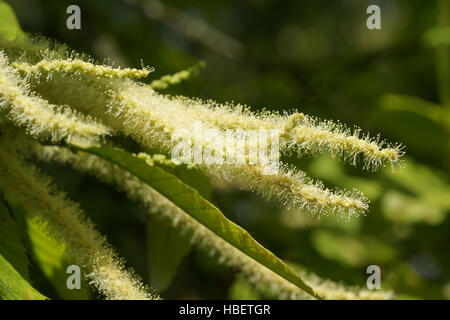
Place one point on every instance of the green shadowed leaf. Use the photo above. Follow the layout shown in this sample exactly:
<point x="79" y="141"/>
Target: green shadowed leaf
<point x="423" y="195"/>
<point x="165" y="248"/>
<point x="437" y="36"/>
<point x="49" y="255"/>
<point x="351" y="250"/>
<point x="186" y="173"/>
<point x="327" y="168"/>
<point x="420" y="134"/>
<point x="9" y="25"/>
<point x="193" y="204"/>
<point x="165" y="251"/>
<point x="432" y="111"/>
<point x="241" y="290"/>
<point x="13" y="286"/>
<point x="11" y="244"/>
<point x="13" y="262"/>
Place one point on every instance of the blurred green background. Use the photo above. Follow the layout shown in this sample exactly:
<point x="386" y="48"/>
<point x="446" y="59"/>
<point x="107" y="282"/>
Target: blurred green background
<point x="319" y="57"/>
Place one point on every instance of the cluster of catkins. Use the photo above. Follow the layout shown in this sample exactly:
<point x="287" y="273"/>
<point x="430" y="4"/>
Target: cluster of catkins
<point x="66" y="99"/>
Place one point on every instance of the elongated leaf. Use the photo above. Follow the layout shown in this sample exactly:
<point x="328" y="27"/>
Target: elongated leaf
<point x="190" y="201"/>
<point x="165" y="248"/>
<point x="189" y="175"/>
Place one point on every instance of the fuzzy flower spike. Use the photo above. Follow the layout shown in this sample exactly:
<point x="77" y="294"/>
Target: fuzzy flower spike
<point x="39" y="117"/>
<point x="138" y="111"/>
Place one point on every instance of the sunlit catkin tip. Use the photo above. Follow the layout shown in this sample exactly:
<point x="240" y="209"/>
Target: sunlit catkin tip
<point x="294" y="190"/>
<point x="77" y="66"/>
<point x="165" y="81"/>
<point x="312" y="136"/>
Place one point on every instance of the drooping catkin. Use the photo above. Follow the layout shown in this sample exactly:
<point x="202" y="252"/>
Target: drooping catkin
<point x="23" y="186"/>
<point x="305" y="134"/>
<point x="294" y="189"/>
<point x="77" y="66"/>
<point x="171" y="79"/>
<point x="312" y="136"/>
<point x="40" y="118"/>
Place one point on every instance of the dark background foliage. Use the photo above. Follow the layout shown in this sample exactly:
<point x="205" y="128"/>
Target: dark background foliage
<point x="319" y="57"/>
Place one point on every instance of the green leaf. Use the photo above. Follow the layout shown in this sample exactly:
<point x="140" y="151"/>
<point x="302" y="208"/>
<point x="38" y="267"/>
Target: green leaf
<point x="13" y="286"/>
<point x="404" y="208"/>
<point x="423" y="195"/>
<point x="165" y="251"/>
<point x="13" y="262"/>
<point x="9" y="25"/>
<point x="360" y="250"/>
<point x="165" y="248"/>
<point x="241" y="290"/>
<point x="423" y="181"/>
<point x="186" y="173"/>
<point x="190" y="201"/>
<point x="327" y="168"/>
<point x="443" y="54"/>
<point x="437" y="36"/>
<point x="432" y="111"/>
<point x="421" y="134"/>
<point x="11" y="245"/>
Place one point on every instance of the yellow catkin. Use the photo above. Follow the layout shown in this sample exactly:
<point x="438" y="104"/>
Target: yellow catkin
<point x="24" y="187"/>
<point x="312" y="136"/>
<point x="299" y="132"/>
<point x="40" y="118"/>
<point x="294" y="190"/>
<point x="78" y="66"/>
<point x="171" y="79"/>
